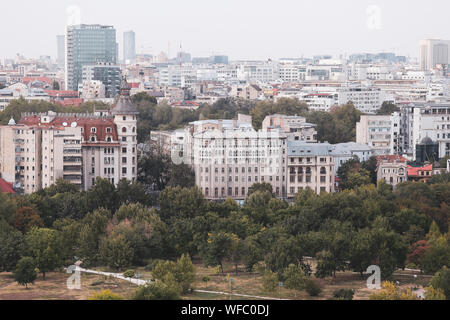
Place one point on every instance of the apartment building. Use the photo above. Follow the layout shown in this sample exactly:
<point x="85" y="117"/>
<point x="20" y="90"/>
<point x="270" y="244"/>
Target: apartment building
<point x="310" y="165"/>
<point x="294" y="127"/>
<point x="379" y="132"/>
<point x="42" y="148"/>
<point x="229" y="156"/>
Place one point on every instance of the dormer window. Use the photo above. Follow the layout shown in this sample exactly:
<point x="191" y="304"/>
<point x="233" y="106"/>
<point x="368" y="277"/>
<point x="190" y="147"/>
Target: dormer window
<point x="108" y="130"/>
<point x="93" y="139"/>
<point x="93" y="130"/>
<point x="108" y="139"/>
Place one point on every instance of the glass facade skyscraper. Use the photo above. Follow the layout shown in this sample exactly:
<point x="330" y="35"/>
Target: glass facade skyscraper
<point x="88" y="45"/>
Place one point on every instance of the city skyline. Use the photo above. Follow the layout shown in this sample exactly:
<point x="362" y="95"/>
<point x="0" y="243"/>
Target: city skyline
<point x="245" y="31"/>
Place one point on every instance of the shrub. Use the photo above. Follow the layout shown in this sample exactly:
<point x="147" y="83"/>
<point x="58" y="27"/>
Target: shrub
<point x="344" y="294"/>
<point x="106" y="295"/>
<point x="129" y="274"/>
<point x="313" y="288"/>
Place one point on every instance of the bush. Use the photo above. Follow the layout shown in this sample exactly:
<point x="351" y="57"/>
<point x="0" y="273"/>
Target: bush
<point x="344" y="294"/>
<point x="129" y="274"/>
<point x="313" y="288"/>
<point x="97" y="283"/>
<point x="106" y="295"/>
<point x="159" y="290"/>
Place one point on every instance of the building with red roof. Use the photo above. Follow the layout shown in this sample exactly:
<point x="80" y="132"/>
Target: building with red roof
<point x="44" y="147"/>
<point x="420" y="173"/>
<point x="6" y="187"/>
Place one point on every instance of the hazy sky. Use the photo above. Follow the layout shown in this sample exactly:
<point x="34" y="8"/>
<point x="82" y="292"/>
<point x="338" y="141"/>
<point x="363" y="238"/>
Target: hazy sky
<point x="242" y="29"/>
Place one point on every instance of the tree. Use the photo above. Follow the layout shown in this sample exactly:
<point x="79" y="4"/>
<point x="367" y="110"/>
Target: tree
<point x="106" y="295"/>
<point x="312" y="287"/>
<point x="388" y="108"/>
<point x="434" y="294"/>
<point x="26" y="218"/>
<point x="344" y="294"/>
<point x="265" y="186"/>
<point x="56" y="85"/>
<point x="11" y="248"/>
<point x="417" y="251"/>
<point x="270" y="281"/>
<point x="25" y="272"/>
<point x="294" y="278"/>
<point x="42" y="245"/>
<point x="116" y="252"/>
<point x="185" y="273"/>
<point x="437" y="255"/>
<point x="389" y="291"/>
<point x="219" y="247"/>
<point x="284" y="252"/>
<point x="441" y="280"/>
<point x="159" y="290"/>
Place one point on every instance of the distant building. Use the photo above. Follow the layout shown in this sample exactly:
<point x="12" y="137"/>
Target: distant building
<point x="421" y="174"/>
<point x="129" y="47"/>
<point x="61" y="50"/>
<point x="378" y="132"/>
<point x="88" y="45"/>
<point x="433" y="52"/>
<point x="295" y="127"/>
<point x="107" y="73"/>
<point x="427" y="151"/>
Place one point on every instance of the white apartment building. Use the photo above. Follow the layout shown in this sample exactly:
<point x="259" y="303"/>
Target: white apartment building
<point x="43" y="148"/>
<point x="366" y="99"/>
<point x="378" y="133"/>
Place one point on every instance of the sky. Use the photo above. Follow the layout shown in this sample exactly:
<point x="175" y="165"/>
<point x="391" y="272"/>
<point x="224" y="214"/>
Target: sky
<point x="241" y="29"/>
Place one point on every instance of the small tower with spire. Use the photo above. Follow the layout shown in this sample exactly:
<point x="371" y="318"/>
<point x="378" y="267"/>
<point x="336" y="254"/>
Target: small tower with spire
<point x="125" y="118"/>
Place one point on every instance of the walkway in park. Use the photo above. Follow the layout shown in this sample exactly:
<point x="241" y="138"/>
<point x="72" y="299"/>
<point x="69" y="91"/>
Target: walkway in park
<point x="140" y="282"/>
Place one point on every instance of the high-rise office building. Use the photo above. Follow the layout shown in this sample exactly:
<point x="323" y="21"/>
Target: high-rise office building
<point x="61" y="50"/>
<point x="88" y="45"/>
<point x="129" y="47"/>
<point x="433" y="52"/>
<point x="110" y="75"/>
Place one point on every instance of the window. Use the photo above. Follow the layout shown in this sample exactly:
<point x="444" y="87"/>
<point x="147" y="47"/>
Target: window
<point x="124" y="130"/>
<point x="124" y="160"/>
<point x="124" y="170"/>
<point x="93" y="130"/>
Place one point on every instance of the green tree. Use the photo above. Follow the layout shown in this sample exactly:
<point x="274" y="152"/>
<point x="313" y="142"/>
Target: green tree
<point x="294" y="278"/>
<point x="441" y="280"/>
<point x="388" y="108"/>
<point x="160" y="290"/>
<point x="219" y="247"/>
<point x="389" y="291"/>
<point x="270" y="281"/>
<point x="25" y="272"/>
<point x="116" y="252"/>
<point x="42" y="245"/>
<point x="434" y="294"/>
<point x="12" y="247"/>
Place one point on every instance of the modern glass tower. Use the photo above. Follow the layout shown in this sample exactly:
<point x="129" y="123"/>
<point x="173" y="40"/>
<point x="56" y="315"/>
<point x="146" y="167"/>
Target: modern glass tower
<point x="129" y="47"/>
<point x="88" y="45"/>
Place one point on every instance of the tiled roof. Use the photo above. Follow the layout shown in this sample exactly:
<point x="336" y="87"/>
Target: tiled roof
<point x="6" y="187"/>
<point x="87" y="123"/>
<point x="415" y="171"/>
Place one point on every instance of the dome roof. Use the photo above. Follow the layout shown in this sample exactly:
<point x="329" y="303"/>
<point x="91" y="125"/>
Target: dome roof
<point x="124" y="105"/>
<point x="427" y="141"/>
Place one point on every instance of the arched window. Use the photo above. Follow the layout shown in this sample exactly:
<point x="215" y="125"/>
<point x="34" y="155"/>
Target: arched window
<point x="134" y="129"/>
<point x="108" y="139"/>
<point x="124" y="129"/>
<point x="92" y="138"/>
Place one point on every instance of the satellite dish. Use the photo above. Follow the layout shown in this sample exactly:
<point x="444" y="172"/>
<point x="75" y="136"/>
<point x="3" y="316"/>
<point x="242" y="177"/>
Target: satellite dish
<point x="73" y="125"/>
<point x="65" y="124"/>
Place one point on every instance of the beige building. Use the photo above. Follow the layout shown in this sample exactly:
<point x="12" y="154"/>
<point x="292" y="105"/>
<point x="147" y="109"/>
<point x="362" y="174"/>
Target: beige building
<point x="392" y="169"/>
<point x="310" y="165"/>
<point x="295" y="127"/>
<point x="229" y="156"/>
<point x="43" y="148"/>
